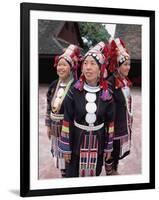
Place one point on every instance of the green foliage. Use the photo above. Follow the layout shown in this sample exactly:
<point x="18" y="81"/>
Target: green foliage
<point x="93" y="32"/>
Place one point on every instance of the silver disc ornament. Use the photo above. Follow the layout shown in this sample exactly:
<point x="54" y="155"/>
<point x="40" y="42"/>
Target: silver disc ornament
<point x="90" y="118"/>
<point x="91" y="107"/>
<point x="90" y="97"/>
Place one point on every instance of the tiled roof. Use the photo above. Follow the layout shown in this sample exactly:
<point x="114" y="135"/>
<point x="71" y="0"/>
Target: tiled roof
<point x="131" y="35"/>
<point x="48" y="43"/>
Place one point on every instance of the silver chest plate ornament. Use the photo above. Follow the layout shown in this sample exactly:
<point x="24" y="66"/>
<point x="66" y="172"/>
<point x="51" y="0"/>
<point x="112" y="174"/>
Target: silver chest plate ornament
<point x="56" y="102"/>
<point x="126" y="91"/>
<point x="91" y="107"/>
<point x="60" y="92"/>
<point x="90" y="118"/>
<point x="90" y="97"/>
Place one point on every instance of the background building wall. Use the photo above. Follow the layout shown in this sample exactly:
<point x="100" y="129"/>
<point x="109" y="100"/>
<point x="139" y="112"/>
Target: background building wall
<point x="131" y="35"/>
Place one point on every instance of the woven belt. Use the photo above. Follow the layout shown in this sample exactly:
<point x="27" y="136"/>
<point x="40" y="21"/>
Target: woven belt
<point x="56" y="116"/>
<point x="88" y="128"/>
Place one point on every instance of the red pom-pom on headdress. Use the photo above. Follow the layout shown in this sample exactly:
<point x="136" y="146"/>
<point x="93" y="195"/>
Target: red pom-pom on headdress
<point x="116" y="52"/>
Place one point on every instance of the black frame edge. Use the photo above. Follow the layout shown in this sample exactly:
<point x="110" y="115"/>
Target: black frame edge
<point x="24" y="102"/>
<point x="152" y="98"/>
<point x="85" y="9"/>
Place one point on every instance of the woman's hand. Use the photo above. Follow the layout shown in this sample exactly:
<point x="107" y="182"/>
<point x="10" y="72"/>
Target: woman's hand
<point x="67" y="157"/>
<point x="107" y="155"/>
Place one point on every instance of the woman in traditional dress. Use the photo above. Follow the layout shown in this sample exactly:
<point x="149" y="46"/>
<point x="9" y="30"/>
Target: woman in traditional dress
<point x="87" y="132"/>
<point x="66" y="64"/>
<point x="119" y="84"/>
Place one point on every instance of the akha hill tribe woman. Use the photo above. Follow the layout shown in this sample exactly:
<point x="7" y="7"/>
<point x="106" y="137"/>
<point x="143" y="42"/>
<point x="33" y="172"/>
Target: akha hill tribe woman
<point x="88" y="126"/>
<point x="66" y="65"/>
<point x="119" y="84"/>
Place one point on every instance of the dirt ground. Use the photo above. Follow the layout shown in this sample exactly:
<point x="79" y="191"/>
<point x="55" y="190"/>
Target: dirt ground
<point x="129" y="165"/>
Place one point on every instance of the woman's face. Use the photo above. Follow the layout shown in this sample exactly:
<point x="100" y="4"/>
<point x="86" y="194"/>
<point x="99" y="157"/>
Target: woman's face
<point x="91" y="70"/>
<point x="124" y="68"/>
<point x="63" y="69"/>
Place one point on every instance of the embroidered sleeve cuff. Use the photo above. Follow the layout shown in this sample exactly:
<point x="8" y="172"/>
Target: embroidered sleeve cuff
<point x="63" y="143"/>
<point x="109" y="147"/>
<point x="111" y="128"/>
<point x="108" y="150"/>
<point x="110" y="137"/>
